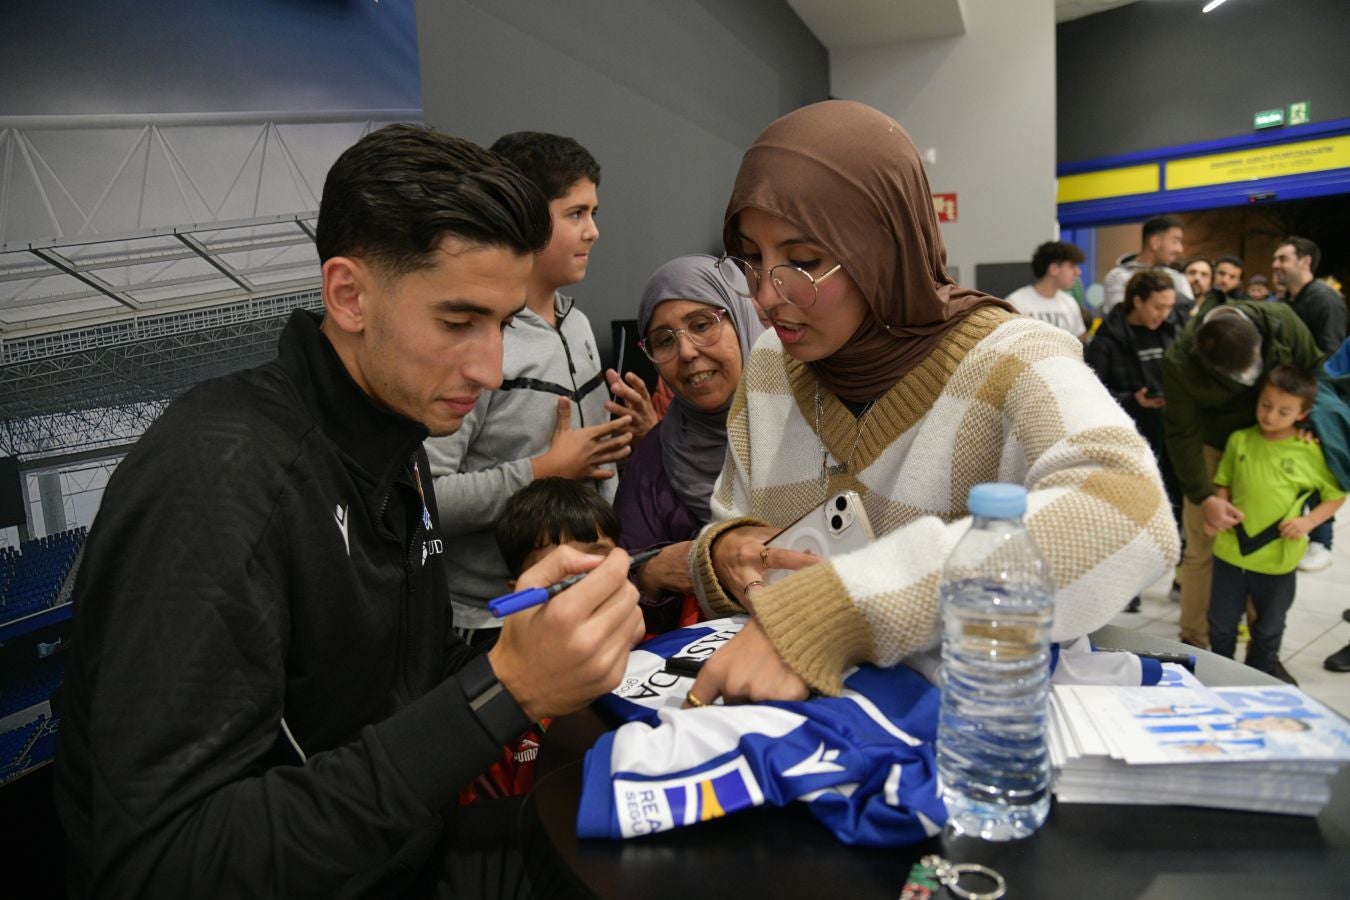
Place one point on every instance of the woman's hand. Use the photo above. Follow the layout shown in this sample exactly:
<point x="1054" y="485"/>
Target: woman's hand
<point x="666" y="573"/>
<point x="747" y="670"/>
<point x="1143" y="399"/>
<point x="741" y="557"/>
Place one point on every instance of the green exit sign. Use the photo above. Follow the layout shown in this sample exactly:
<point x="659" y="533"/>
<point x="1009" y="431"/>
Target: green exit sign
<point x="1300" y="112"/>
<point x="1268" y="118"/>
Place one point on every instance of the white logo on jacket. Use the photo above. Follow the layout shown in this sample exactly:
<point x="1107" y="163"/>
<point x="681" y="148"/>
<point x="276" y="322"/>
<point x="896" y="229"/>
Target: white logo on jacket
<point x="340" y="513"/>
<point x="818" y="763"/>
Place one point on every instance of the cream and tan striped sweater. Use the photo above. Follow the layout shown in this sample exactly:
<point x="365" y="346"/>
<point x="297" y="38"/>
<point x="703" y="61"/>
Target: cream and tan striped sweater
<point x="1002" y="398"/>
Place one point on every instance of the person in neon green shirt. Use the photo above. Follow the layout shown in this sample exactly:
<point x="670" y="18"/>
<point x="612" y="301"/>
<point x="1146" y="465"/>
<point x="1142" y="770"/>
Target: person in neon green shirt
<point x="1270" y="475"/>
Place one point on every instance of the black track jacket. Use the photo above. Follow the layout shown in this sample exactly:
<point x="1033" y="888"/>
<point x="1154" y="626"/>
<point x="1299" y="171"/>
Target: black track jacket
<point x="264" y="552"/>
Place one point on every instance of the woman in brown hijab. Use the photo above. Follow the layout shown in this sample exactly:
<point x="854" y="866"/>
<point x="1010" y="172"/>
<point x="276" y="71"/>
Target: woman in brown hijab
<point x="883" y="376"/>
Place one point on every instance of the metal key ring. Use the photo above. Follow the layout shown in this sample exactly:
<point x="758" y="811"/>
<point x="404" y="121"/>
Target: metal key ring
<point x="951" y="877"/>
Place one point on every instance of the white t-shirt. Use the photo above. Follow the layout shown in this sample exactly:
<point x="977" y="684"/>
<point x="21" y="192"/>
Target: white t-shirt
<point x="1060" y="310"/>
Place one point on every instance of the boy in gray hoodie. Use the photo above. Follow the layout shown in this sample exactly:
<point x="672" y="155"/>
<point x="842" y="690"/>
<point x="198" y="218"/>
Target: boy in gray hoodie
<point x="552" y="414"/>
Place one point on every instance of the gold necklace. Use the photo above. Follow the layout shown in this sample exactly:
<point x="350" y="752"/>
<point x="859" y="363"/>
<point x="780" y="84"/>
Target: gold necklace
<point x="842" y="468"/>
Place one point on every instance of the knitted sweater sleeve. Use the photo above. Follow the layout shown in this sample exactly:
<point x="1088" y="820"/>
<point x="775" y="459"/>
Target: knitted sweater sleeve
<point x="1020" y="406"/>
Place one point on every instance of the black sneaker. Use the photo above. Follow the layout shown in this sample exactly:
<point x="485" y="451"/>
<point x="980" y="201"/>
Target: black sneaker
<point x="1280" y="672"/>
<point x="1345" y="614"/>
<point x="1132" y="606"/>
<point x="1338" y="661"/>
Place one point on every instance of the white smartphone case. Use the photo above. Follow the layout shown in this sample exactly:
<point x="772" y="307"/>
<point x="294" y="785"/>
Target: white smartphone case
<point x="837" y="526"/>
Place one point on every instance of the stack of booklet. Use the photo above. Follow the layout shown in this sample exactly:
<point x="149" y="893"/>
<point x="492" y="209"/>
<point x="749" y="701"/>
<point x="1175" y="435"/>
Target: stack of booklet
<point x="1270" y="749"/>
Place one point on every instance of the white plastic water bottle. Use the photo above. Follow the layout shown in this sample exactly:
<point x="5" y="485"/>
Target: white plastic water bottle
<point x="997" y="606"/>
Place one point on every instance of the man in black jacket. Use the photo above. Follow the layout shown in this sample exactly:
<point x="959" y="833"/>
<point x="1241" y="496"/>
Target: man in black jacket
<point x="1324" y="311"/>
<point x="265" y="697"/>
<point x="1317" y="304"/>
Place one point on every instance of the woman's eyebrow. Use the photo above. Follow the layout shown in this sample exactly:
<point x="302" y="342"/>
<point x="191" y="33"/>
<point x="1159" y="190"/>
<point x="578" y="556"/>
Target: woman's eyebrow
<point x="790" y="242"/>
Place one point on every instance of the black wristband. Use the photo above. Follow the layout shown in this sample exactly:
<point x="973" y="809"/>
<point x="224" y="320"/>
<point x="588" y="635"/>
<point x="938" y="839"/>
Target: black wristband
<point x="491" y="703"/>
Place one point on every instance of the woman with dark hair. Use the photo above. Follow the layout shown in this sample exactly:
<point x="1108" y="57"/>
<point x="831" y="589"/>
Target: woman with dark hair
<point x="1127" y="355"/>
<point x="883" y="376"/>
<point x="697" y="327"/>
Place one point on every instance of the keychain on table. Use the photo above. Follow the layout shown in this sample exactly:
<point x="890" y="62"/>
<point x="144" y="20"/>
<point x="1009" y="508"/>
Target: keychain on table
<point x="932" y="871"/>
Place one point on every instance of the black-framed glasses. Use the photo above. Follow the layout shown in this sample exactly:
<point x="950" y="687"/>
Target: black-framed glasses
<point x="794" y="285"/>
<point x="702" y="328"/>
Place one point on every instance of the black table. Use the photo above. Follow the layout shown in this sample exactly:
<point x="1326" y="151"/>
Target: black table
<point x="1083" y="850"/>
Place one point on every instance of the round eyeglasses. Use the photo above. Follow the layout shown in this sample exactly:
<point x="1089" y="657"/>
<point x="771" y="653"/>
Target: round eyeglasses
<point x="794" y="285"/>
<point x="702" y="328"/>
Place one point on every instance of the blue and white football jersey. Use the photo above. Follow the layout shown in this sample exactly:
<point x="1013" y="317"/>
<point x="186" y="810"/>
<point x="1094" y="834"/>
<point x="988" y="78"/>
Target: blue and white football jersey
<point x="863" y="761"/>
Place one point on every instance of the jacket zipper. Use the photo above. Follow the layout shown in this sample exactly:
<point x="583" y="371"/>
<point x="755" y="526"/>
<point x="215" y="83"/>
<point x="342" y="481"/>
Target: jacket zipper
<point x="571" y="367"/>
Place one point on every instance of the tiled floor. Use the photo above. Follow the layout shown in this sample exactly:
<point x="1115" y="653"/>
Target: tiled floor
<point x="1313" y="631"/>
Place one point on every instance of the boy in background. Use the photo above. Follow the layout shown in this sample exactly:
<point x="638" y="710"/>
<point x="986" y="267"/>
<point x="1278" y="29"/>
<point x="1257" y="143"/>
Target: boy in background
<point x="1055" y="266"/>
<point x="548" y="513"/>
<point x="539" y="517"/>
<point x="551" y="415"/>
<point x="1269" y="474"/>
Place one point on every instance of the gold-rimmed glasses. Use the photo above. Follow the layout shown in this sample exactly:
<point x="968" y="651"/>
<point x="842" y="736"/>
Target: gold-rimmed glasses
<point x="703" y="328"/>
<point x="794" y="285"/>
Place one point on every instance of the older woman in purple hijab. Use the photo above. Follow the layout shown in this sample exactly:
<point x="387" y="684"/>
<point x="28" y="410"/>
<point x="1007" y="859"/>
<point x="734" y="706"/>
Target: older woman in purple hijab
<point x="697" y="328"/>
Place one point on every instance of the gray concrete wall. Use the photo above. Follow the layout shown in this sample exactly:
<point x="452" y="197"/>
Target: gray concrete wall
<point x="985" y="103"/>
<point x="666" y="94"/>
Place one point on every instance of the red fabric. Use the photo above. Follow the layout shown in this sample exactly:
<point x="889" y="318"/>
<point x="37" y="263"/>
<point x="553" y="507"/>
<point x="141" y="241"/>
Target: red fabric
<point x="510" y="776"/>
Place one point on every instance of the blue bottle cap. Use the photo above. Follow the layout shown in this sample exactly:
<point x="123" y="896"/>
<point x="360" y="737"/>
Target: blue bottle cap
<point x="998" y="501"/>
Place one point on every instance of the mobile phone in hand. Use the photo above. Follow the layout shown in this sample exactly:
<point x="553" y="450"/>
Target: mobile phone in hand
<point x="837" y="526"/>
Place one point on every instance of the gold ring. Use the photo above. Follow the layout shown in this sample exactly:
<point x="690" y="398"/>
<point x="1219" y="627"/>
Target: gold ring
<point x="693" y="701"/>
<point x="746" y="593"/>
<point x="764" y="557"/>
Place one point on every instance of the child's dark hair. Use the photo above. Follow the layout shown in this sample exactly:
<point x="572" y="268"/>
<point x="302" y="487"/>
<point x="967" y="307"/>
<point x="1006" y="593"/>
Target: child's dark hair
<point x="550" y="511"/>
<point x="553" y="162"/>
<point x="1293" y="380"/>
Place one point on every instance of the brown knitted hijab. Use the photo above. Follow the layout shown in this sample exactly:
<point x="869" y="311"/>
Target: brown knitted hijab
<point x="849" y="177"/>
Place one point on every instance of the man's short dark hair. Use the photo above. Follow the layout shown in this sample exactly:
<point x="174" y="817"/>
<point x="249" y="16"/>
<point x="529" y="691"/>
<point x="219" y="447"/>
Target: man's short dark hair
<point x="553" y="162"/>
<point x="1227" y="341"/>
<point x="550" y="511"/>
<point x="1304" y="247"/>
<point x="1052" y="252"/>
<point x="1293" y="380"/>
<point x="395" y="194"/>
<point x="1195" y="259"/>
<point x="1144" y="284"/>
<point x="1231" y="260"/>
<point x="1159" y="225"/>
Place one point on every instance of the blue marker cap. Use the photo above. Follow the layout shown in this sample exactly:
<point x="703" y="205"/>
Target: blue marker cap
<point x="515" y="602"/>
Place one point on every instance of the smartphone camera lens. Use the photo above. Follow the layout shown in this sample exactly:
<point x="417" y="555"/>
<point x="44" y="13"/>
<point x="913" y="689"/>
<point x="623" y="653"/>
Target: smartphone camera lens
<point x="836" y="522"/>
<point x="840" y="503"/>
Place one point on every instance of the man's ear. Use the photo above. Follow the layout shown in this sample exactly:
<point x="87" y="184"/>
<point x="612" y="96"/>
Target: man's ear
<point x="345" y="281"/>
